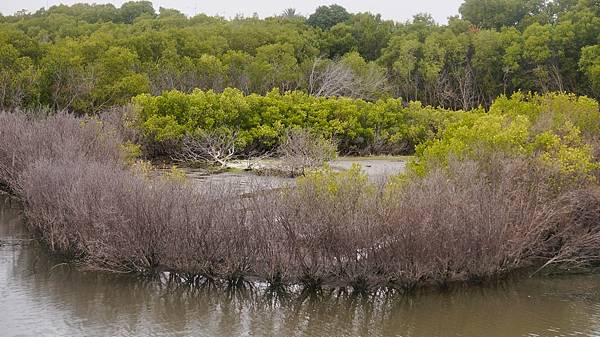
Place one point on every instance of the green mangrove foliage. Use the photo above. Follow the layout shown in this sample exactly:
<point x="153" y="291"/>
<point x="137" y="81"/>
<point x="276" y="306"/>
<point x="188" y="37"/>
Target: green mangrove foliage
<point x="85" y="58"/>
<point x="384" y="126"/>
<point x="556" y="129"/>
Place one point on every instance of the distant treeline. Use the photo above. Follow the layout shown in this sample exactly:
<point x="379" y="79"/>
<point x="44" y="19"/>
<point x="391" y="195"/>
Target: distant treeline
<point x="86" y="58"/>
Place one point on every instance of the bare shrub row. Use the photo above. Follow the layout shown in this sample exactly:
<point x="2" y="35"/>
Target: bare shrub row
<point x="26" y="138"/>
<point x="467" y="222"/>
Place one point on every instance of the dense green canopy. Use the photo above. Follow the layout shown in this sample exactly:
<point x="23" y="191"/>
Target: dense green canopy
<point x="88" y="57"/>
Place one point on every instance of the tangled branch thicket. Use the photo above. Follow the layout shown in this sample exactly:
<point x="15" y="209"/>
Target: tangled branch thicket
<point x="301" y="150"/>
<point x="467" y="222"/>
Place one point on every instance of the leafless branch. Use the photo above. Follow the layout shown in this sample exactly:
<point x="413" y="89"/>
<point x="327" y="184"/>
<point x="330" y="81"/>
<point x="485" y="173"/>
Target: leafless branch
<point x="212" y="146"/>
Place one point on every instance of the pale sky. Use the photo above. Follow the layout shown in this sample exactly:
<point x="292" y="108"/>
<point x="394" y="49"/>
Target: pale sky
<point x="399" y="10"/>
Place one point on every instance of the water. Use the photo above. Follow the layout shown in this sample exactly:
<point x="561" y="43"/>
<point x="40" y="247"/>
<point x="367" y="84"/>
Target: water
<point x="40" y="297"/>
<point x="245" y="182"/>
<point x="374" y="168"/>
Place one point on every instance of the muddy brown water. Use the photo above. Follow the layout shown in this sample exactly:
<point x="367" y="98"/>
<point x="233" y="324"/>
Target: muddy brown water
<point x="41" y="297"/>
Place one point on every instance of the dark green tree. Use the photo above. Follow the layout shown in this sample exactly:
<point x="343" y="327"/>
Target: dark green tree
<point x="499" y="13"/>
<point x="326" y="17"/>
<point x="131" y="10"/>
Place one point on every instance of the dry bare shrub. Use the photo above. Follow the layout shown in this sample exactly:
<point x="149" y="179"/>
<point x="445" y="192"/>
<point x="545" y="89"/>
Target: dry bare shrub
<point x="465" y="223"/>
<point x="122" y="121"/>
<point x="24" y="139"/>
<point x="302" y="149"/>
<point x="338" y="78"/>
<point x="115" y="220"/>
<point x="213" y="147"/>
<point x="319" y="226"/>
<point x="572" y="236"/>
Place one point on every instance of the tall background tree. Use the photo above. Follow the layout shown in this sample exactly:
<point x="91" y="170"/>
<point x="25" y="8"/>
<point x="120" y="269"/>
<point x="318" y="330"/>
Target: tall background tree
<point x="325" y="17"/>
<point x="88" y="57"/>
